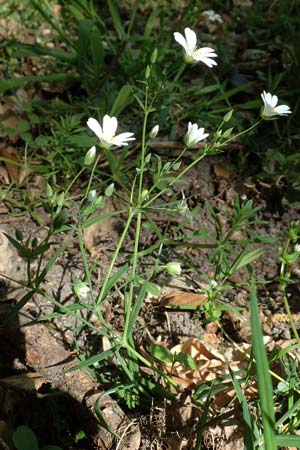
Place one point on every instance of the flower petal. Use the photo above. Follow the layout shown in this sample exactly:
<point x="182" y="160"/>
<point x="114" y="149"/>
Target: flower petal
<point x="191" y="38"/>
<point x="274" y="100"/>
<point x="121" y="139"/>
<point x="180" y="39"/>
<point x="95" y="126"/>
<point x="110" y="125"/>
<point x="205" y="55"/>
<point x="282" y="110"/>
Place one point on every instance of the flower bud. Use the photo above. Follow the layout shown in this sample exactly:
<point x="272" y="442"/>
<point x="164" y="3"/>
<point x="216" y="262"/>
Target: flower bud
<point x="154" y="56"/>
<point x="90" y="156"/>
<point x="148" y="72"/>
<point x="153" y="132"/>
<point x="81" y="289"/>
<point x="297" y="248"/>
<point x="92" y="195"/>
<point x="174" y="268"/>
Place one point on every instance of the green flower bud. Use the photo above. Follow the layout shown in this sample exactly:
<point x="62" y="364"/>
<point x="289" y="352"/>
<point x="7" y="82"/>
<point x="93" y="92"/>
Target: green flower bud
<point x="174" y="268"/>
<point x="90" y="156"/>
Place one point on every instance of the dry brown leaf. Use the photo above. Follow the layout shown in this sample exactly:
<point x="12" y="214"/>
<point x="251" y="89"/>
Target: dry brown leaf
<point x="4" y="177"/>
<point x="107" y="229"/>
<point x="30" y="381"/>
<point x="211" y="364"/>
<point x="11" y="164"/>
<point x="8" y="118"/>
<point x="181" y="298"/>
<point x="221" y="170"/>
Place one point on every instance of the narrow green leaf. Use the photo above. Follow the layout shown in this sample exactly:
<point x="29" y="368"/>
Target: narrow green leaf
<point x="112" y="281"/>
<point x="51" y="263"/>
<point x="94" y="359"/>
<point x="186" y="360"/>
<point x="244" y="259"/>
<point x="21" y="49"/>
<point x="97" y="407"/>
<point x="137" y="306"/>
<point x="152" y="288"/>
<point x="265" y="388"/>
<point x="161" y="353"/>
<point x="247" y="422"/>
<point x="292" y="411"/>
<point x="14" y="83"/>
<point x="151" y="22"/>
<point x="287" y="440"/>
<point x="116" y="19"/>
<point x="97" y="52"/>
<point x="123" y="99"/>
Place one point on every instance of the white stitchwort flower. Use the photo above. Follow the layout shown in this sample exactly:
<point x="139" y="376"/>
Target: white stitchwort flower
<point x="192" y="53"/>
<point x="194" y="135"/>
<point x="270" y="109"/>
<point x="212" y="16"/>
<point x="107" y="132"/>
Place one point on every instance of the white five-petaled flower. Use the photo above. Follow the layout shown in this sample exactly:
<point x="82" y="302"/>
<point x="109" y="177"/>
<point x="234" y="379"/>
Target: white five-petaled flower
<point x="194" y="135"/>
<point x="270" y="109"/>
<point x="192" y="53"/>
<point x="212" y="16"/>
<point x="107" y="132"/>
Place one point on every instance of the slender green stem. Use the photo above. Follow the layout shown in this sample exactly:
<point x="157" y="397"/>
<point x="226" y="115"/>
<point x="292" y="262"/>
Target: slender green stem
<point x="283" y="286"/>
<point x="138" y="222"/>
<point x="114" y="258"/>
<point x="216" y="78"/>
<point x="180" y="72"/>
<point x="87" y="270"/>
<point x="142" y="166"/>
<point x="74" y="179"/>
<point x="241" y="133"/>
<point x="92" y="174"/>
<point x="177" y="178"/>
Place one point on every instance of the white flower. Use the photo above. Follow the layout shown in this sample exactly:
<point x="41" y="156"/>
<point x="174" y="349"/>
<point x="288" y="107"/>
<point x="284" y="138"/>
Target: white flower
<point x="194" y="135"/>
<point x="212" y="16"/>
<point x="107" y="133"/>
<point x="270" y="109"/>
<point x="154" y="131"/>
<point x="297" y="248"/>
<point x="192" y="53"/>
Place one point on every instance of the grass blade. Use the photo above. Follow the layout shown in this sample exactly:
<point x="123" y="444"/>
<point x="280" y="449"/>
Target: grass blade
<point x="288" y="440"/>
<point x="116" y="19"/>
<point x="247" y="422"/>
<point x="265" y="388"/>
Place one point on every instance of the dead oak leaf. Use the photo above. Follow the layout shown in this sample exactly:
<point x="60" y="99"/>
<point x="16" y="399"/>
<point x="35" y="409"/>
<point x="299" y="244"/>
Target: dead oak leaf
<point x="183" y="299"/>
